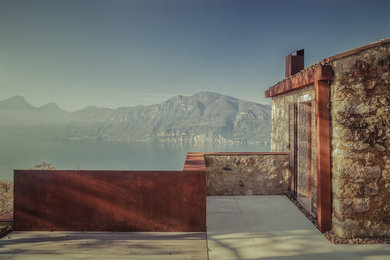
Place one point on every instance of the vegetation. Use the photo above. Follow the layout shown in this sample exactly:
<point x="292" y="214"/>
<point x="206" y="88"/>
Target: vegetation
<point x="7" y="189"/>
<point x="5" y="228"/>
<point x="6" y="196"/>
<point x="42" y="166"/>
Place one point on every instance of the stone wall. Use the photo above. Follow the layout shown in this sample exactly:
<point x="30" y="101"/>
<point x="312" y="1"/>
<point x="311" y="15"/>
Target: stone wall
<point x="280" y="116"/>
<point x="305" y="171"/>
<point x="360" y="118"/>
<point x="280" y="131"/>
<point x="252" y="174"/>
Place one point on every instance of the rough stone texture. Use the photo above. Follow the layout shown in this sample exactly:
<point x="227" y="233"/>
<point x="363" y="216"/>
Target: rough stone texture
<point x="280" y="116"/>
<point x="303" y="149"/>
<point x="247" y="174"/>
<point x="360" y="105"/>
<point x="304" y="171"/>
<point x="360" y="146"/>
<point x="281" y="123"/>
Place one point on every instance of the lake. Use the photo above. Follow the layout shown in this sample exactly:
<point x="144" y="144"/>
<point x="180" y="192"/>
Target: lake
<point x="23" y="152"/>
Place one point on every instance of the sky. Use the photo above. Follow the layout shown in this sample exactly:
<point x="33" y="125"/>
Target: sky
<point x="140" y="52"/>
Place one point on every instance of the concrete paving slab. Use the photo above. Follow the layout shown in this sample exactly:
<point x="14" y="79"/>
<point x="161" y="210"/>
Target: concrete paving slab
<point x="253" y="204"/>
<point x="277" y="230"/>
<point x="276" y="221"/>
<point x="228" y="222"/>
<point x="103" y="245"/>
<point x="222" y="204"/>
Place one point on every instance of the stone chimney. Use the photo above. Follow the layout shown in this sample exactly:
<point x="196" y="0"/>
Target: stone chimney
<point x="295" y="62"/>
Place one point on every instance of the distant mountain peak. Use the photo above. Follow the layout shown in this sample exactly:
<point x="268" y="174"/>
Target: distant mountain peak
<point x="52" y="107"/>
<point x="14" y="99"/>
<point x="207" y="93"/>
<point x="15" y="102"/>
<point x="205" y="117"/>
<point x="93" y="108"/>
<point x="201" y="94"/>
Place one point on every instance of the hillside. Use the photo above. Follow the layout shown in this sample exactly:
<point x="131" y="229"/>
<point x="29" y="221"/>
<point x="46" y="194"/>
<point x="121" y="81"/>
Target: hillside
<point x="205" y="117"/>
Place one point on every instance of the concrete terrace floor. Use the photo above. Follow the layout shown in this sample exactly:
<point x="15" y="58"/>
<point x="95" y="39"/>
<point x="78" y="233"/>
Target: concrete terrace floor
<point x="103" y="245"/>
<point x="248" y="227"/>
<point x="272" y="227"/>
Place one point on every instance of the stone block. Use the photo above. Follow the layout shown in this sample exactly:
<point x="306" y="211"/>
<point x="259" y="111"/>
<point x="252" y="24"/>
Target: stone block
<point x="371" y="189"/>
<point x="364" y="108"/>
<point x="356" y="171"/>
<point x="349" y="228"/>
<point x="345" y="228"/>
<point x="386" y="174"/>
<point x="371" y="171"/>
<point x="253" y="175"/>
<point x="351" y="206"/>
<point x="357" y="145"/>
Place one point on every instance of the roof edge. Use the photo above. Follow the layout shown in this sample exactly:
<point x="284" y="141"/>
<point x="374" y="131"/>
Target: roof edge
<point x="301" y="79"/>
<point x="286" y="84"/>
<point x="357" y="50"/>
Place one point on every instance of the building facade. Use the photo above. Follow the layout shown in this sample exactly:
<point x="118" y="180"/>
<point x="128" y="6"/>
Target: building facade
<point x="334" y="120"/>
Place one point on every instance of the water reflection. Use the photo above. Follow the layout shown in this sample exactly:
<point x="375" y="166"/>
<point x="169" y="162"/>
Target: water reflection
<point x="17" y="153"/>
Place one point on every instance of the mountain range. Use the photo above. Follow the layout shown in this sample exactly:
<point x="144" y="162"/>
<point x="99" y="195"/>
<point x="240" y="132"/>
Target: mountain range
<point x="205" y="117"/>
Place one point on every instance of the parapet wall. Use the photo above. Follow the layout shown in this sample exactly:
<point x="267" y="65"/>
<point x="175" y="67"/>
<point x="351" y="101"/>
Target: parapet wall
<point x="360" y="118"/>
<point x="247" y="173"/>
<point x="56" y="200"/>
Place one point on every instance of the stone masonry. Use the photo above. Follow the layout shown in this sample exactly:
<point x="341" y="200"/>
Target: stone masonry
<point x="360" y="139"/>
<point x="280" y="130"/>
<point x="258" y="174"/>
<point x="360" y="112"/>
<point x="280" y="116"/>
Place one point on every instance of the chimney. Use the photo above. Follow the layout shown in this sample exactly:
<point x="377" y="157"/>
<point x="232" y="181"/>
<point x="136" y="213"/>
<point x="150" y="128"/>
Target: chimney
<point x="295" y="62"/>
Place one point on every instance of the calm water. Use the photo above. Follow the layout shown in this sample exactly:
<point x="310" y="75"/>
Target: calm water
<point x="19" y="153"/>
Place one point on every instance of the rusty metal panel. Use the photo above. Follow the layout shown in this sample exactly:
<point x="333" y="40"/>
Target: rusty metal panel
<point x="324" y="180"/>
<point x="320" y="72"/>
<point x="110" y="200"/>
<point x="295" y="62"/>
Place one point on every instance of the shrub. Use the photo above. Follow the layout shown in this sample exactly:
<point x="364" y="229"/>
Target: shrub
<point x="7" y="189"/>
<point x="42" y="166"/>
<point x="6" y="196"/>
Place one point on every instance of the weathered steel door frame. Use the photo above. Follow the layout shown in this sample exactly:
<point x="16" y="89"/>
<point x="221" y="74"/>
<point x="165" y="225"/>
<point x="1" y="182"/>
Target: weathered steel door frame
<point x="319" y="76"/>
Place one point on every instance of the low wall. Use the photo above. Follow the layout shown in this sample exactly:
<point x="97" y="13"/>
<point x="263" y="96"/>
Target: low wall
<point x="247" y="173"/>
<point x="110" y="200"/>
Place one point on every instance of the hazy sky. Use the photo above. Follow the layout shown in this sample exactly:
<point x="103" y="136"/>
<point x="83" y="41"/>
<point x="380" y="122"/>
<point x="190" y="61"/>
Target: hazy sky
<point x="125" y="53"/>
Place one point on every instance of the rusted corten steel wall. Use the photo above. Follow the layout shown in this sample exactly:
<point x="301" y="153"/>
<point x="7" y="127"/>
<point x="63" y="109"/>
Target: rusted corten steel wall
<point x="295" y="63"/>
<point x="110" y="200"/>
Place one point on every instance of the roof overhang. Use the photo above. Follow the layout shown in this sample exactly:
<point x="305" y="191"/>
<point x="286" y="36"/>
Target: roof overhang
<point x="320" y="71"/>
<point x="302" y="79"/>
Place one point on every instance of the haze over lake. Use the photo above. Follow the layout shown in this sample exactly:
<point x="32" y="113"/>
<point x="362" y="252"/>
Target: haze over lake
<point x="155" y="137"/>
<point x="19" y="153"/>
